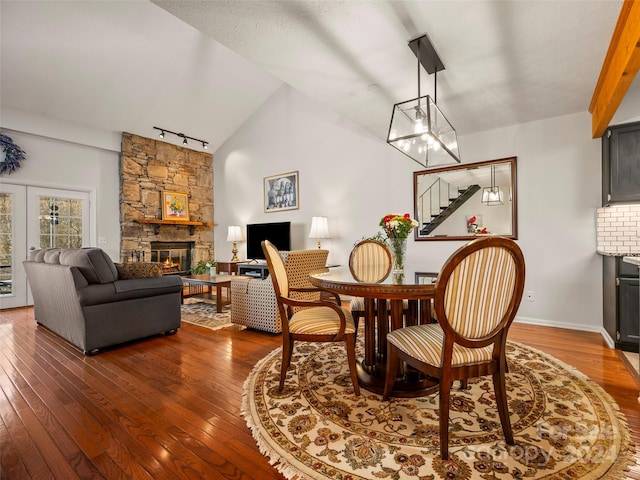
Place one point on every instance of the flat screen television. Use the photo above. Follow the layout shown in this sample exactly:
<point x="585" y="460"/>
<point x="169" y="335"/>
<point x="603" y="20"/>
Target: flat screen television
<point x="278" y="233"/>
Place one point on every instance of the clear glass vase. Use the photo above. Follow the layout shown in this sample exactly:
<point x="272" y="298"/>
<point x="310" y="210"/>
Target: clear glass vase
<point x="398" y="248"/>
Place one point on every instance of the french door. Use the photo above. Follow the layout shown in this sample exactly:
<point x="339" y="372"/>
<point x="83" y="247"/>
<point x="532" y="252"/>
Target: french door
<point x="33" y="218"/>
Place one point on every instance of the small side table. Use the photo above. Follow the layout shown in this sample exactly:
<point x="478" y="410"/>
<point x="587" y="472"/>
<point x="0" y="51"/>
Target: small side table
<point x="230" y="268"/>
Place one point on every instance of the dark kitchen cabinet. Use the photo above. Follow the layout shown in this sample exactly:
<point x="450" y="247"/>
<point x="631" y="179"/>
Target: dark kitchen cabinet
<point x="621" y="164"/>
<point x="621" y="302"/>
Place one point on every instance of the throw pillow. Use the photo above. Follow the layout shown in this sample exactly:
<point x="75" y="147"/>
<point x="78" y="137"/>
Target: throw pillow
<point x="128" y="271"/>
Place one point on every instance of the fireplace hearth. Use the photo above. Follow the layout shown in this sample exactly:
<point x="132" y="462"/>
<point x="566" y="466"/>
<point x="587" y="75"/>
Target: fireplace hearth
<point x="174" y="256"/>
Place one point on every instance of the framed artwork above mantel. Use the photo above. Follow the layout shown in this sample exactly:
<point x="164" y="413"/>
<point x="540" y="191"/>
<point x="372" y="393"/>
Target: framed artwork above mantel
<point x="175" y="206"/>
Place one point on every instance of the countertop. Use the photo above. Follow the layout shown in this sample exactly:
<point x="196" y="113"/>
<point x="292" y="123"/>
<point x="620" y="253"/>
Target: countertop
<point x="618" y="254"/>
<point x="631" y="260"/>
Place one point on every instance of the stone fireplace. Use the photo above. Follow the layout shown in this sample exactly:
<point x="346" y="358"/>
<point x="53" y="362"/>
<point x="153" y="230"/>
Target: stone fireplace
<point x="148" y="167"/>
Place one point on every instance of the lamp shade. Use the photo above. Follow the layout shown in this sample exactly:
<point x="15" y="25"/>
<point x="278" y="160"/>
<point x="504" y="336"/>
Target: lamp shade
<point x="319" y="228"/>
<point x="234" y="234"/>
<point x="420" y="130"/>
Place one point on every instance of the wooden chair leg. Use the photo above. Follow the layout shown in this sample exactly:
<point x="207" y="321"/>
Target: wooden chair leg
<point x="499" y="387"/>
<point x="445" y="398"/>
<point x="350" y="344"/>
<point x="356" y="321"/>
<point x="287" y="349"/>
<point x="392" y="371"/>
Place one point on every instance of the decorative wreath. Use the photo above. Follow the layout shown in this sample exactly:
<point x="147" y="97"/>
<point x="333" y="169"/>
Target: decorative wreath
<point x="14" y="155"/>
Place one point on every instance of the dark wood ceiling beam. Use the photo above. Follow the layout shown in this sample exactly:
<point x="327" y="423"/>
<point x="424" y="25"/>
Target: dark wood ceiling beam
<point x="619" y="68"/>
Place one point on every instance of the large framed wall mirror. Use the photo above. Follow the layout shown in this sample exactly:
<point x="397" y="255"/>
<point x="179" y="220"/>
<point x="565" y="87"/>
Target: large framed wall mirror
<point x="466" y="200"/>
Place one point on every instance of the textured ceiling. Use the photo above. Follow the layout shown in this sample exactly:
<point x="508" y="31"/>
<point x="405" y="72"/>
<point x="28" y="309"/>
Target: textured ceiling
<point x="203" y="67"/>
<point x="506" y="62"/>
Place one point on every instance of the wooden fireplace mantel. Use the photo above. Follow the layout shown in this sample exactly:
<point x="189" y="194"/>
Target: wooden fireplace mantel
<point x="156" y="222"/>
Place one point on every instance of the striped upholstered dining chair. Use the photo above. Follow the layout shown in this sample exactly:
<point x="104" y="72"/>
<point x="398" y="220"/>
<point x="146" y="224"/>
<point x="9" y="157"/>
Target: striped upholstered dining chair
<point x="308" y="320"/>
<point x="477" y="295"/>
<point x="369" y="262"/>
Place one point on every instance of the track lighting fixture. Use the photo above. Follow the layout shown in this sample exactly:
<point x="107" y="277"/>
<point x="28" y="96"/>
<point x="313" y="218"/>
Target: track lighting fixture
<point x="184" y="137"/>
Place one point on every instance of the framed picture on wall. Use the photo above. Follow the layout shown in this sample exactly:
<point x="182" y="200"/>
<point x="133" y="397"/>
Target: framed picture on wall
<point x="281" y="192"/>
<point x="175" y="206"/>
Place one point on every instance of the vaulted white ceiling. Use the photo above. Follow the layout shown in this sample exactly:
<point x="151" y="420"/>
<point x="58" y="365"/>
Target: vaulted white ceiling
<point x="203" y="67"/>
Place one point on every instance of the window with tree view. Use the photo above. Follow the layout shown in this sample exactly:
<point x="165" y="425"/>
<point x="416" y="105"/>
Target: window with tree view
<point x="60" y="222"/>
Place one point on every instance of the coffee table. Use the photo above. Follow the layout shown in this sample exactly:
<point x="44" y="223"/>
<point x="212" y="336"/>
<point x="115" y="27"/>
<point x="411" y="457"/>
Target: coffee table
<point x="210" y="281"/>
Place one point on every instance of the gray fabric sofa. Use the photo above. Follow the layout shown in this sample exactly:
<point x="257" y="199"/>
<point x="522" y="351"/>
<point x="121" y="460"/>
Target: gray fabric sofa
<point x="78" y="294"/>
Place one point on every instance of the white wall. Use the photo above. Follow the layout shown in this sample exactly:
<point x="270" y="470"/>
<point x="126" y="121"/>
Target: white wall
<point x="54" y="162"/>
<point x="344" y="174"/>
<point x="355" y="179"/>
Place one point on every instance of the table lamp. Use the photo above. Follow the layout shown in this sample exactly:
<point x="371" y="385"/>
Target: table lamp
<point x="319" y="229"/>
<point x="234" y="235"/>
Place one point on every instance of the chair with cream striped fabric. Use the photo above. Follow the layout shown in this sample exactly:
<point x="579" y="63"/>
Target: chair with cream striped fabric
<point x="477" y="295"/>
<point x="308" y="320"/>
<point x="369" y="262"/>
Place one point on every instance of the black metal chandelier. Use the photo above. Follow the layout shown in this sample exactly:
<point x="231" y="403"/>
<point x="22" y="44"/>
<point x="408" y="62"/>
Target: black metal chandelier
<point x="418" y="128"/>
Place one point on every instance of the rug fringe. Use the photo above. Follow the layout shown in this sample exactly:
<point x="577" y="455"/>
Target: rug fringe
<point x="226" y="325"/>
<point x="275" y="459"/>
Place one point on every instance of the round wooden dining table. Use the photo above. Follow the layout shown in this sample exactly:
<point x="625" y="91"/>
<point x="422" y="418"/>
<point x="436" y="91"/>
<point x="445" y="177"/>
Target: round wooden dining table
<point x="385" y="309"/>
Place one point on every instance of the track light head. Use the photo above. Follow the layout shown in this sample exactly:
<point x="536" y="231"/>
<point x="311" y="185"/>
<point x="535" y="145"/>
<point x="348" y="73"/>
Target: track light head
<point x="161" y="133"/>
<point x="184" y="142"/>
<point x="205" y="145"/>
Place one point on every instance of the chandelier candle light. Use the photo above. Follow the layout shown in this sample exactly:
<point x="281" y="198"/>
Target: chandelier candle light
<point x="319" y="229"/>
<point x="234" y="234"/>
<point x="397" y="228"/>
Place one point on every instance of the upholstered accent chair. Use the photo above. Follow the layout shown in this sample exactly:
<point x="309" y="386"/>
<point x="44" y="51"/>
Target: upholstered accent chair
<point x="253" y="301"/>
<point x="477" y="295"/>
<point x="309" y="320"/>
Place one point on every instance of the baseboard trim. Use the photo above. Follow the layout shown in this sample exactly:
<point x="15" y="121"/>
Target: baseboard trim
<point x="570" y="326"/>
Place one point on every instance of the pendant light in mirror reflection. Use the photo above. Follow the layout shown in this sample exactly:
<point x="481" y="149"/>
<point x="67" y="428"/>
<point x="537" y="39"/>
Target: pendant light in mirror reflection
<point x="418" y="128"/>
<point x="492" y="196"/>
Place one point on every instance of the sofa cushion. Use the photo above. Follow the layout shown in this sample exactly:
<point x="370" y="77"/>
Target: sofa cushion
<point x="122" y="290"/>
<point x="39" y="255"/>
<point x="52" y="255"/>
<point x="128" y="271"/>
<point x="93" y="262"/>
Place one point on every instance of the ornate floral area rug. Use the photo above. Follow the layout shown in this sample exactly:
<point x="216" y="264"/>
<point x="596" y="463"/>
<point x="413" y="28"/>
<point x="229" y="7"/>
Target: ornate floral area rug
<point x="203" y="313"/>
<point x="565" y="425"/>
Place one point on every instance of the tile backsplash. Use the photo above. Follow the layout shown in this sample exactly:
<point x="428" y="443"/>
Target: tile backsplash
<point x="618" y="229"/>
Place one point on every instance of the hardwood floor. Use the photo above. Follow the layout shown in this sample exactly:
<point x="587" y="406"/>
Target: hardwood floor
<point x="169" y="407"/>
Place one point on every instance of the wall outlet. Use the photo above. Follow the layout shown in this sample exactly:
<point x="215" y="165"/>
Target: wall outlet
<point x="102" y="239"/>
<point x="531" y="296"/>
